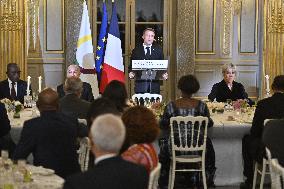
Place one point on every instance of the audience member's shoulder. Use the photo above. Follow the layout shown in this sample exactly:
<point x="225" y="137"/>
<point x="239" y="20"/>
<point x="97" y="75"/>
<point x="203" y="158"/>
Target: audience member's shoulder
<point x="3" y="81"/>
<point x="22" y="82"/>
<point x="78" y="180"/>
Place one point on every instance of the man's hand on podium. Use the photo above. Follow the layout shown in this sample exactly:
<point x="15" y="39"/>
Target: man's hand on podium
<point x="165" y="76"/>
<point x="131" y="75"/>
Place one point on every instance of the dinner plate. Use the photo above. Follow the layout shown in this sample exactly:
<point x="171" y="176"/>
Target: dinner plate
<point x="40" y="170"/>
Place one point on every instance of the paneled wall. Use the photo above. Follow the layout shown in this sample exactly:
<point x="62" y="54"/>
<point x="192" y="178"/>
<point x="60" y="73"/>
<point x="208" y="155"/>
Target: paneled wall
<point x="222" y="33"/>
<point x="46" y="42"/>
<point x="226" y="33"/>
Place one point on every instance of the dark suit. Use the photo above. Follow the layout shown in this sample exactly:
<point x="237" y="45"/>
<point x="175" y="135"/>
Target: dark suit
<point x="4" y="121"/>
<point x="144" y="86"/>
<point x="273" y="138"/>
<point x="51" y="138"/>
<point x="87" y="93"/>
<point x="6" y="142"/>
<point x="221" y="92"/>
<point x="252" y="147"/>
<point x="73" y="106"/>
<point x="21" y="90"/>
<point x="111" y="173"/>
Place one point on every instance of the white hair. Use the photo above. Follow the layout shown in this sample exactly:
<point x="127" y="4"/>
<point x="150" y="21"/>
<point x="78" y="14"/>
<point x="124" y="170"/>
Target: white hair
<point x="108" y="133"/>
<point x="75" y="66"/>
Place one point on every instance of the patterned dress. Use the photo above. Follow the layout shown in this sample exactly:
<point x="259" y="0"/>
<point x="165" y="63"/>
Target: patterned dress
<point x="179" y="108"/>
<point x="143" y="154"/>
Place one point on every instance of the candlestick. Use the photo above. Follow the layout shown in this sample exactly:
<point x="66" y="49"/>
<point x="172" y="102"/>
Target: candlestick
<point x="28" y="87"/>
<point x="39" y="84"/>
<point x="267" y="83"/>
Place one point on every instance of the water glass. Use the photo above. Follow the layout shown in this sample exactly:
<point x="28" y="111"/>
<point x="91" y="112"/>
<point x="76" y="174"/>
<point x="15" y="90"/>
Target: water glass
<point x="4" y="155"/>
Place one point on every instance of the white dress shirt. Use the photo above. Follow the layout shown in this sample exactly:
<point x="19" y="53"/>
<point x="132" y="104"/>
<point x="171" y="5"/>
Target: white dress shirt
<point x="10" y="86"/>
<point x="145" y="50"/>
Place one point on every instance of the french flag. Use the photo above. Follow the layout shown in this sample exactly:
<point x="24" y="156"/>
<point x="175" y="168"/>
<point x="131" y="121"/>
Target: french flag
<point x="113" y="68"/>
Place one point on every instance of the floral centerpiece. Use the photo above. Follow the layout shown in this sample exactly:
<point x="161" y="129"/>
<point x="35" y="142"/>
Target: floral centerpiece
<point x="240" y="104"/>
<point x="216" y="106"/>
<point x="13" y="106"/>
<point x="158" y="108"/>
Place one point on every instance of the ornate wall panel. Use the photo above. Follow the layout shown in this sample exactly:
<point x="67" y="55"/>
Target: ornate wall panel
<point x="73" y="20"/>
<point x="248" y="28"/>
<point x="46" y="42"/>
<point x="226" y="28"/>
<point x="185" y="37"/>
<point x="12" y="35"/>
<point x="205" y="27"/>
<point x="54" y="26"/>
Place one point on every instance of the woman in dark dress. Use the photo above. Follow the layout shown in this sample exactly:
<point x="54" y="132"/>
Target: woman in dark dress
<point x="228" y="88"/>
<point x="185" y="106"/>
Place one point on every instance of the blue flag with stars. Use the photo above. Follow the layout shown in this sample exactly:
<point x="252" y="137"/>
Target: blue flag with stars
<point x="101" y="44"/>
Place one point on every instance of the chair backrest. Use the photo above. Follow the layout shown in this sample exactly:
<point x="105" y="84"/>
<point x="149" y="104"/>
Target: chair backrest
<point x="146" y="97"/>
<point x="188" y="133"/>
<point x="278" y="174"/>
<point x="84" y="150"/>
<point x="154" y="177"/>
<point x="266" y="121"/>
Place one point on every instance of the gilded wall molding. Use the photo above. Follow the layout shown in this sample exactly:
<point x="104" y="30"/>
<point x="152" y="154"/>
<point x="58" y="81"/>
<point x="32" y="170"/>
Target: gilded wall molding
<point x="185" y="38"/>
<point x="12" y="35"/>
<point x="226" y="28"/>
<point x="73" y="13"/>
<point x="11" y="19"/>
<point x="34" y="49"/>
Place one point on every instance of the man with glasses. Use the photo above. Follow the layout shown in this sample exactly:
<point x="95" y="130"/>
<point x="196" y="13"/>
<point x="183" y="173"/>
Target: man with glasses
<point x="13" y="87"/>
<point x="74" y="71"/>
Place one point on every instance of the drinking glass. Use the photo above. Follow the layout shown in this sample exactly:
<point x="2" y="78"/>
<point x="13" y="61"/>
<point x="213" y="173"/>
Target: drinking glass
<point x="4" y="155"/>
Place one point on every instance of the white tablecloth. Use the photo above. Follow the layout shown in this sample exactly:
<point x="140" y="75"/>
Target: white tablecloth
<point x="227" y="141"/>
<point x="41" y="179"/>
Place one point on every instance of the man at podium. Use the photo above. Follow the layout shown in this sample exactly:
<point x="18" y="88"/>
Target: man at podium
<point x="147" y="51"/>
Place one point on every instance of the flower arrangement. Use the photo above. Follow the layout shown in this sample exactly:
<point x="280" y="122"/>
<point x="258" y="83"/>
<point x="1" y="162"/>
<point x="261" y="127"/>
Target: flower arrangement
<point x="216" y="106"/>
<point x="158" y="108"/>
<point x="13" y="106"/>
<point x="240" y="103"/>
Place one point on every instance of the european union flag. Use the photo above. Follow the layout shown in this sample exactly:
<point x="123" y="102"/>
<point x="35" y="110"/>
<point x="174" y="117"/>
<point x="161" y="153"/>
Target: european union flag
<point x="101" y="44"/>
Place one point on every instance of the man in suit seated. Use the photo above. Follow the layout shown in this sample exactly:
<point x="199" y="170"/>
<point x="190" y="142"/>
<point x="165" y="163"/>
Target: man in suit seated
<point x="110" y="171"/>
<point x="252" y="146"/>
<point x="13" y="87"/>
<point x="273" y="138"/>
<point x="147" y="51"/>
<point x="74" y="71"/>
<point x="51" y="138"/>
<point x="71" y="104"/>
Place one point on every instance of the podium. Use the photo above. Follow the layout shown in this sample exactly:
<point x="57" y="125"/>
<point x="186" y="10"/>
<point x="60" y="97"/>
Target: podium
<point x="149" y="71"/>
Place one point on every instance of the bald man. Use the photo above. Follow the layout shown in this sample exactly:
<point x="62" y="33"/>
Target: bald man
<point x="74" y="71"/>
<point x="51" y="138"/>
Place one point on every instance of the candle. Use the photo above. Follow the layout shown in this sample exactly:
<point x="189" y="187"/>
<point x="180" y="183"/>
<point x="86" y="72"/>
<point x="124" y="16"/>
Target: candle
<point x="267" y="83"/>
<point x="39" y="84"/>
<point x="28" y="87"/>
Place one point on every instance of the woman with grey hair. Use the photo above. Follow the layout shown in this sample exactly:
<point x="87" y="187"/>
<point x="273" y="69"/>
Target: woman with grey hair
<point x="228" y="88"/>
